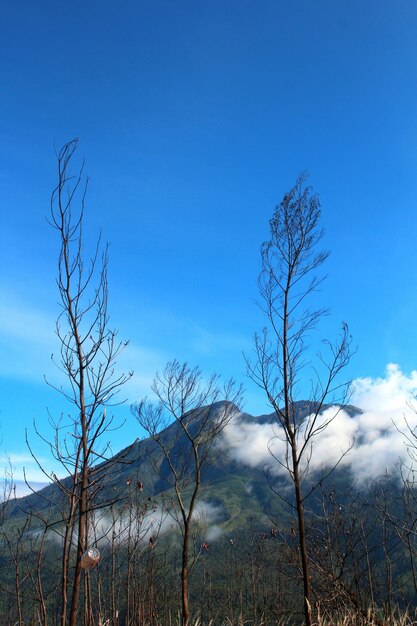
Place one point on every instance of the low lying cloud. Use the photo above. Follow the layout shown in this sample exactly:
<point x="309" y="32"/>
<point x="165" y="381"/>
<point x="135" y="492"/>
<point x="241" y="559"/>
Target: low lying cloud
<point x="389" y="409"/>
<point x="214" y="533"/>
<point x="158" y="521"/>
<point x="207" y="512"/>
<point x="123" y="527"/>
<point x="373" y="439"/>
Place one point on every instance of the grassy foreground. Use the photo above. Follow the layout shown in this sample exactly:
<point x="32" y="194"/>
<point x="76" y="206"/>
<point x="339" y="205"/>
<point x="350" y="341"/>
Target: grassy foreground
<point x="405" y="619"/>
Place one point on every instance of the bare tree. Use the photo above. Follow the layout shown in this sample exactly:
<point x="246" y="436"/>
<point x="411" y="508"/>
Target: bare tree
<point x="397" y="503"/>
<point x="282" y="365"/>
<point x="200" y="412"/>
<point x="88" y="353"/>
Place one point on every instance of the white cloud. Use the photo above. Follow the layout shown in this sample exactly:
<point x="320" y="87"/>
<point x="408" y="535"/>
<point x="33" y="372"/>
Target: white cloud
<point x="386" y="402"/>
<point x="120" y="529"/>
<point x="156" y="522"/>
<point x="388" y="393"/>
<point x="214" y="533"/>
<point x="379" y="443"/>
<point x="207" y="512"/>
<point x="249" y="443"/>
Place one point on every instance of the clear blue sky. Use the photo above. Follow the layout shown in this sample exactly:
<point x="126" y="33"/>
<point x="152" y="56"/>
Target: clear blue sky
<point x="194" y="119"/>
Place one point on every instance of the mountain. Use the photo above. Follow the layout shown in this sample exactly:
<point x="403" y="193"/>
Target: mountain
<point x="237" y="488"/>
<point x="361" y="543"/>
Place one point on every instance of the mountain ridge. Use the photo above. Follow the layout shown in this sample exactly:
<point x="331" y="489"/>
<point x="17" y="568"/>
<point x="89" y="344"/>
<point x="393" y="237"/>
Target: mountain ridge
<point x="136" y="467"/>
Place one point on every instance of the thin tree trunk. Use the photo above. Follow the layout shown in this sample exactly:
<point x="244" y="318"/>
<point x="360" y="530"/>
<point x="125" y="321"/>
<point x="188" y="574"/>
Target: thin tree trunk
<point x="80" y="547"/>
<point x="185" y="615"/>
<point x="303" y="547"/>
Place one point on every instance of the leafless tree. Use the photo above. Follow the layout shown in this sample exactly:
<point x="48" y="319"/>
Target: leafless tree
<point x="282" y="364"/>
<point x="397" y="504"/>
<point x="88" y="354"/>
<point x="199" y="411"/>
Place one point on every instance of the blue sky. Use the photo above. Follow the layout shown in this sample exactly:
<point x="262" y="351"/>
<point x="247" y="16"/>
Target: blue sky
<point x="194" y="119"/>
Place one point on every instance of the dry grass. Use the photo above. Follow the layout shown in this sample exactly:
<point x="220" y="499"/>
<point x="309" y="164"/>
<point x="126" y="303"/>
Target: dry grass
<point x="399" y="619"/>
<point x="350" y="619"/>
<point x="404" y="619"/>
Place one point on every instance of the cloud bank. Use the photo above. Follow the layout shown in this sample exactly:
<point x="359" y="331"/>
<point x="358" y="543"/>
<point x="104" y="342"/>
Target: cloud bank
<point x="376" y="435"/>
<point x="156" y="522"/>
